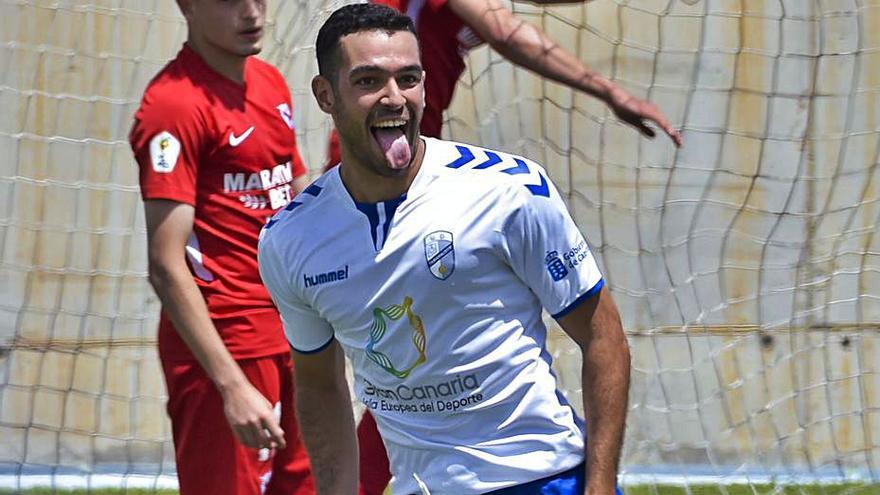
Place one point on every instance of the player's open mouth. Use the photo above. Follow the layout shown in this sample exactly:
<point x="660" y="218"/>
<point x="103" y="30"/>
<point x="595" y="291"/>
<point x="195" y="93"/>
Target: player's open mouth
<point x="392" y="140"/>
<point x="252" y="33"/>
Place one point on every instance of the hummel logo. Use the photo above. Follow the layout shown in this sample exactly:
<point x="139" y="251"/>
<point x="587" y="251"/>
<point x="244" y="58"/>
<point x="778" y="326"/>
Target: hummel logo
<point x="236" y="140"/>
<point x="323" y="278"/>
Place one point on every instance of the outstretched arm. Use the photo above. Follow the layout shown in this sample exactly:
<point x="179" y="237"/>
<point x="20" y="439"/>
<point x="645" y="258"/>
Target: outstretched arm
<point x="595" y="327"/>
<point x="250" y="415"/>
<point x="526" y="45"/>
<point x="326" y="421"/>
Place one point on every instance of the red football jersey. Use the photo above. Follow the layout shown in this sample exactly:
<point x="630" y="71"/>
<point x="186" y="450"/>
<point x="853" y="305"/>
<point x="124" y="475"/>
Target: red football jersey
<point x="230" y="151"/>
<point x="445" y="41"/>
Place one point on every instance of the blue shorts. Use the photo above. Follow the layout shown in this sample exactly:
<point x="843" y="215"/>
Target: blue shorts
<point x="569" y="482"/>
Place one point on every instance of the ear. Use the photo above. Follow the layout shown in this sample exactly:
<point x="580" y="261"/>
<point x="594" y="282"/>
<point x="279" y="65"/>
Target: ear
<point x="424" y="98"/>
<point x="323" y="91"/>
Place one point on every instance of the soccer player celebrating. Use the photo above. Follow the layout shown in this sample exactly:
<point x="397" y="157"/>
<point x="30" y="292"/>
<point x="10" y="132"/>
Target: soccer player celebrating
<point x="215" y="144"/>
<point x="448" y="29"/>
<point x="428" y="263"/>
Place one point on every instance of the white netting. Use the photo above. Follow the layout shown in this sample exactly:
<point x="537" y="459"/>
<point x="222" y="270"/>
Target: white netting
<point x="746" y="265"/>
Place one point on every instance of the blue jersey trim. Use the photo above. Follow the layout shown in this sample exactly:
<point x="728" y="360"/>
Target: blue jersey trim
<point x="390" y="209"/>
<point x="520" y="168"/>
<point x="313" y="190"/>
<point x="466" y="156"/>
<point x="492" y="159"/>
<point x="372" y="213"/>
<point x="583" y="297"/>
<point x="313" y="351"/>
<point x="371" y="210"/>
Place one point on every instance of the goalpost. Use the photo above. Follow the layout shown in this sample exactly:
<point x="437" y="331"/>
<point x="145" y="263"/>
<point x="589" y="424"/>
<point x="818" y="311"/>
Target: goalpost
<point x="746" y="265"/>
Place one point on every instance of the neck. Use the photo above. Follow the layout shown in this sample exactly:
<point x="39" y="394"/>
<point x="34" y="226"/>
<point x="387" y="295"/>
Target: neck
<point x="367" y="186"/>
<point x="228" y="65"/>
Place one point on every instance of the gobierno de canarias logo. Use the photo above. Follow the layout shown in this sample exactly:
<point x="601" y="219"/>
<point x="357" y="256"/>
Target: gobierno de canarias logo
<point x="395" y="312"/>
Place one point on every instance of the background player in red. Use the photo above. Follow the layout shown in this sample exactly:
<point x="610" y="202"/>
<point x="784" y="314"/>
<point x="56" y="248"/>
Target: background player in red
<point x="447" y="30"/>
<point x="215" y="144"/>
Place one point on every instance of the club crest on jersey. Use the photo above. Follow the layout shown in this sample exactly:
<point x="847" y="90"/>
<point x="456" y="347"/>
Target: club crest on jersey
<point x="555" y="266"/>
<point x="440" y="254"/>
<point x="286" y="114"/>
<point x="164" y="151"/>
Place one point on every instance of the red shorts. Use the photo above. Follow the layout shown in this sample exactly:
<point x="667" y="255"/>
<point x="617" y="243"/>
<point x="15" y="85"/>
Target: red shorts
<point x="374" y="470"/>
<point x="209" y="458"/>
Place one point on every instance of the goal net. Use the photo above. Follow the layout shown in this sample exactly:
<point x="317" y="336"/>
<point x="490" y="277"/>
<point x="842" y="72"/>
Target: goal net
<point x="746" y="265"/>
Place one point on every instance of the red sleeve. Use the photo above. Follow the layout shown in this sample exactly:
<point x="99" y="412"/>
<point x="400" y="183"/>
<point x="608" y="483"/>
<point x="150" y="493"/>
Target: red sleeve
<point x="167" y="138"/>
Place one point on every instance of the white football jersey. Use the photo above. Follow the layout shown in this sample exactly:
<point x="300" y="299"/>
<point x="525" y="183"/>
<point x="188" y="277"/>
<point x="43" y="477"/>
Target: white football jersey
<point x="436" y="298"/>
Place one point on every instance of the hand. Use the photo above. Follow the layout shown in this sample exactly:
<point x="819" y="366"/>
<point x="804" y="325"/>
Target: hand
<point x="636" y="112"/>
<point x="251" y="417"/>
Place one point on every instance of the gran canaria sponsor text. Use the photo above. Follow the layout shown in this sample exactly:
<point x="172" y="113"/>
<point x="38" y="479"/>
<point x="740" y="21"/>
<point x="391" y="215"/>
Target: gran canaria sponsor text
<point x="447" y="395"/>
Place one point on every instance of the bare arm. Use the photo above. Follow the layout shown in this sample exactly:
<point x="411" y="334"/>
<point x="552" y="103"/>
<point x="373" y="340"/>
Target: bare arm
<point x="326" y="421"/>
<point x="250" y="415"/>
<point x="595" y="326"/>
<point x="526" y="45"/>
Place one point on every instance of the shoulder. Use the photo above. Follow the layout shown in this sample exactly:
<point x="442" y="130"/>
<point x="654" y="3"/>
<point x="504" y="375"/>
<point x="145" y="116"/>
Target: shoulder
<point x="172" y="95"/>
<point x="175" y="79"/>
<point x="501" y="171"/>
<point x="264" y="67"/>
<point x="268" y="73"/>
<point x="161" y="115"/>
<point x="305" y="212"/>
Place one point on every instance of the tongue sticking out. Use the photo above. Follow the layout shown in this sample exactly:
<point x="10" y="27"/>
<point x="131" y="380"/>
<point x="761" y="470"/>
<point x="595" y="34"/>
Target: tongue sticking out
<point x="395" y="145"/>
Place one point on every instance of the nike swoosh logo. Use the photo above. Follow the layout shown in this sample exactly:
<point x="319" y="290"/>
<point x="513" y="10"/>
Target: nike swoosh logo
<point x="236" y="140"/>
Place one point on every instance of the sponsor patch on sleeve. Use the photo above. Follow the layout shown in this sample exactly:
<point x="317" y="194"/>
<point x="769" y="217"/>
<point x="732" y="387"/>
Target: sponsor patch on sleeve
<point x="286" y="114"/>
<point x="164" y="151"/>
<point x="555" y="266"/>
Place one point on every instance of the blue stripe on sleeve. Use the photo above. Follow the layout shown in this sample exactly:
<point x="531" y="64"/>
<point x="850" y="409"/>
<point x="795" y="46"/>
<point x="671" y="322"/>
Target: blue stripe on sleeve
<point x="313" y="190"/>
<point x="583" y="297"/>
<point x="313" y="351"/>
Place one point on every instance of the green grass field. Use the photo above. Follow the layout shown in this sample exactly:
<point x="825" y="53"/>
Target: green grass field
<point x="847" y="489"/>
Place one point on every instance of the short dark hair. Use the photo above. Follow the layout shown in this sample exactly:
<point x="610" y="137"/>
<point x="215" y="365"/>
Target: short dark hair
<point x="355" y="18"/>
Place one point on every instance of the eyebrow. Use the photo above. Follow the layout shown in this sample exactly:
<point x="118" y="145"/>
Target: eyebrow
<point x="362" y="69"/>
